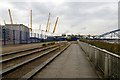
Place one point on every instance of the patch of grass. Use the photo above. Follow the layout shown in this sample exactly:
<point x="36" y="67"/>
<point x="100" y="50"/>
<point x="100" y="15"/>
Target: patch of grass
<point x="114" y="48"/>
<point x="51" y="43"/>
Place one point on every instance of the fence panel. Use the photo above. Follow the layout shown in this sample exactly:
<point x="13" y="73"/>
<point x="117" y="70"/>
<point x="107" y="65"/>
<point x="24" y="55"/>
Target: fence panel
<point x="107" y="62"/>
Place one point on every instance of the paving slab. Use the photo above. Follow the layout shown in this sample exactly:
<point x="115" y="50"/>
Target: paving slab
<point x="72" y="63"/>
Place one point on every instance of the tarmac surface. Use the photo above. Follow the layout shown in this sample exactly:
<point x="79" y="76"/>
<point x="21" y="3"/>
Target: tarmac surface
<point x="72" y="63"/>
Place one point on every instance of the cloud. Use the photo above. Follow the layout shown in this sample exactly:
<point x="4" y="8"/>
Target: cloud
<point x="74" y="17"/>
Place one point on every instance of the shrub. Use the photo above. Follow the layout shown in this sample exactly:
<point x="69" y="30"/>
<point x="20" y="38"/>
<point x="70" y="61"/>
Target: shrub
<point x="43" y="44"/>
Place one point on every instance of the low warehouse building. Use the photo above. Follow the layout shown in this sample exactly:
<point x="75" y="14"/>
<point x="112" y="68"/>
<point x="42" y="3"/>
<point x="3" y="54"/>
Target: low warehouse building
<point x="14" y="34"/>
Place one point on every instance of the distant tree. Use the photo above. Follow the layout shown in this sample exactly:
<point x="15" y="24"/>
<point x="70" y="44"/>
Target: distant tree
<point x="89" y="36"/>
<point x="68" y="35"/>
<point x="64" y="35"/>
<point x="93" y="37"/>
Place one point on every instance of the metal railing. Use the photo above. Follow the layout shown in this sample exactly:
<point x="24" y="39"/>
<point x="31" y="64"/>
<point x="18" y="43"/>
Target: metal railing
<point x="108" y="63"/>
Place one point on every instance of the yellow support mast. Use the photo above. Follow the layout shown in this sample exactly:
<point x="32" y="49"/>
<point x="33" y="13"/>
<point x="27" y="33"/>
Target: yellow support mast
<point x="10" y="17"/>
<point x="49" y="27"/>
<point x="55" y="25"/>
<point x="48" y="23"/>
<point x="30" y="20"/>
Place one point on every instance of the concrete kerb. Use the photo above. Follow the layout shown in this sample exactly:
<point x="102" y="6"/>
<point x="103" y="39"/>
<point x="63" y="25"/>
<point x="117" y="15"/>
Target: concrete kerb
<point x="43" y="65"/>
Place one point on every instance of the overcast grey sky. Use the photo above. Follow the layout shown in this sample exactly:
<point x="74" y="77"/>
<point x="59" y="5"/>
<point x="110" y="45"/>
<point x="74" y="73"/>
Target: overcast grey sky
<point x="76" y="17"/>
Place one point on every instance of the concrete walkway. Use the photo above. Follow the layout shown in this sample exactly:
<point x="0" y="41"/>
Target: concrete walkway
<point x="72" y="63"/>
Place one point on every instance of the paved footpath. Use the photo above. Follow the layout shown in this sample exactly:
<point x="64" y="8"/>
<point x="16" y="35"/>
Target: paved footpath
<point x="72" y="63"/>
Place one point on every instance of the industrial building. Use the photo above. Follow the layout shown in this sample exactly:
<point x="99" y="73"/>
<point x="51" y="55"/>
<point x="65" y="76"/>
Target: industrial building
<point x="14" y="34"/>
<point x="20" y="34"/>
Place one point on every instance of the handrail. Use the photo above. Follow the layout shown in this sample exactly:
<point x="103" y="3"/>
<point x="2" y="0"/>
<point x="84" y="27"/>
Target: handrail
<point x="110" y="53"/>
<point x="106" y="62"/>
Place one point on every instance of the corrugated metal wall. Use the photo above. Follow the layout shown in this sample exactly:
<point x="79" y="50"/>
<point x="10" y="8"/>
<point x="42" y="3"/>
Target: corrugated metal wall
<point x="0" y="35"/>
<point x="15" y="34"/>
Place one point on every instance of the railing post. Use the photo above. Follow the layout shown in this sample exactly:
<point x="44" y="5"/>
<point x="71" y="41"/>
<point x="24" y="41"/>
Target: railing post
<point x="87" y="49"/>
<point x="106" y="66"/>
<point x="109" y="57"/>
<point x="90" y="52"/>
<point x="96" y="57"/>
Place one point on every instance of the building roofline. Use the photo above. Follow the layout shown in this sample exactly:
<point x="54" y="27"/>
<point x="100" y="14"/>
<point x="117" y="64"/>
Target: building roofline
<point x="15" y="25"/>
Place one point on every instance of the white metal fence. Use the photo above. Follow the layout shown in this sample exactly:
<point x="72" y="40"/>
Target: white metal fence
<point x="107" y="62"/>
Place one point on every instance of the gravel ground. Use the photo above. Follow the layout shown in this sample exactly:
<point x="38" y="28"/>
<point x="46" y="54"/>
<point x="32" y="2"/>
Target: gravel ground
<point x="11" y="48"/>
<point x="28" y="67"/>
<point x="18" y="54"/>
<point x="21" y="59"/>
